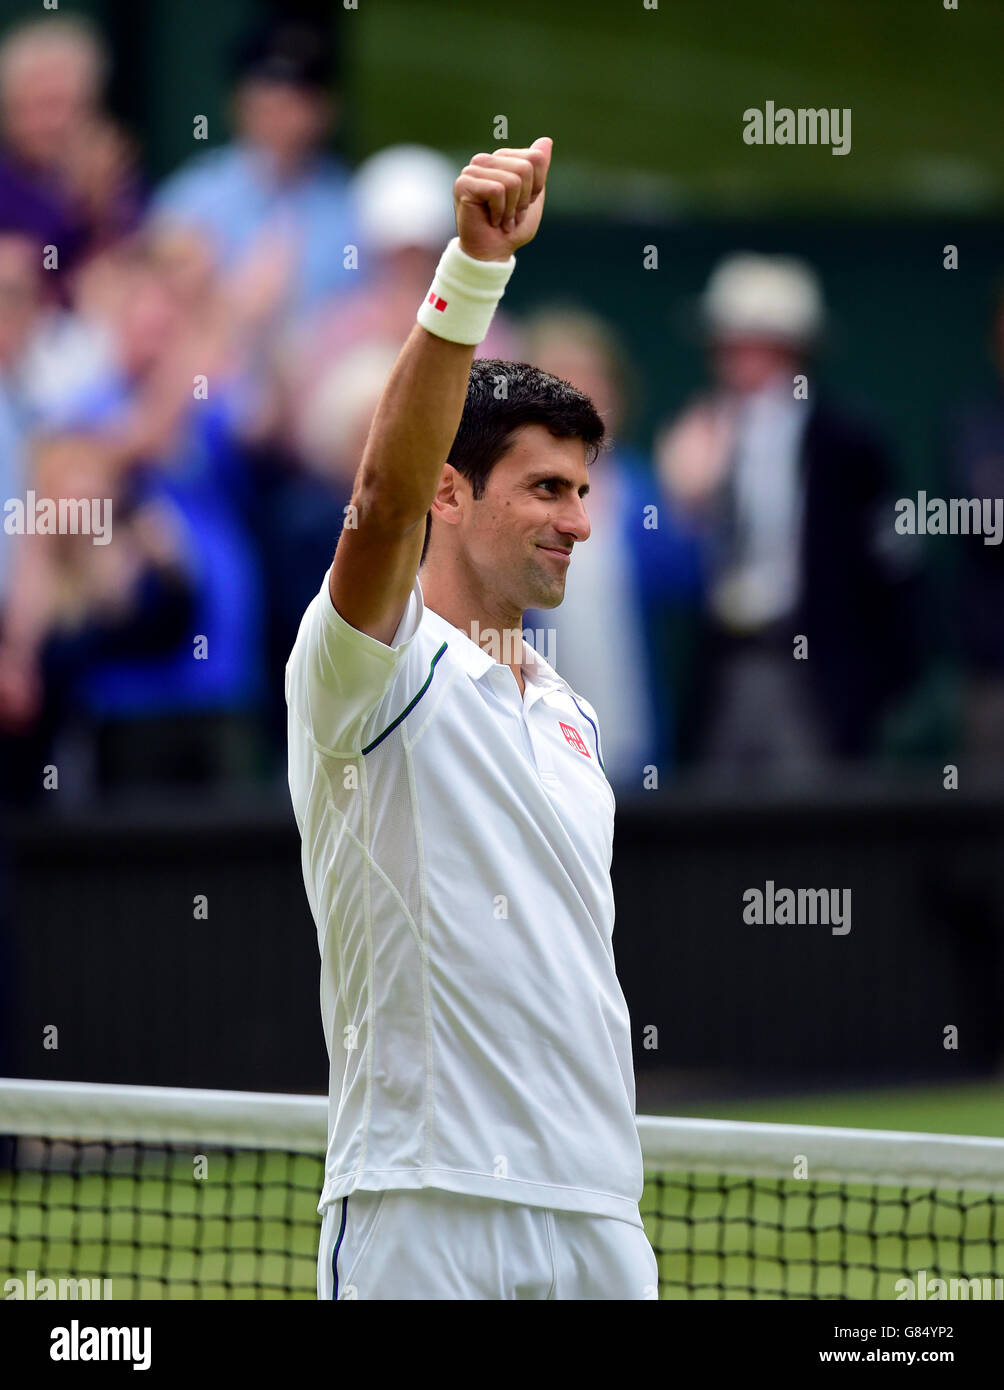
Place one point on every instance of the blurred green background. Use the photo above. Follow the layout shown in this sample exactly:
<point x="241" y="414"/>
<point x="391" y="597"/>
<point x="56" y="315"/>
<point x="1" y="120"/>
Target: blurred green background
<point x="645" y="105"/>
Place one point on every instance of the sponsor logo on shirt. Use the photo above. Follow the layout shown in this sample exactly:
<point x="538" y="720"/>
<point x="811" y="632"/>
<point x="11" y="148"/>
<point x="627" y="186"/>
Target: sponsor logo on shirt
<point x="573" y="736"/>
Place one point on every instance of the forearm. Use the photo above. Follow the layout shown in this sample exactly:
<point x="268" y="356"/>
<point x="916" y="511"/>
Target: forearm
<point x="498" y="200"/>
<point x="31" y="602"/>
<point x="414" y="426"/>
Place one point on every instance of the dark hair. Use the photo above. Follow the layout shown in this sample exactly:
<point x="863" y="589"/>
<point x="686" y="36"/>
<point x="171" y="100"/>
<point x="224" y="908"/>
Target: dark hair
<point x="291" y="49"/>
<point x="491" y="419"/>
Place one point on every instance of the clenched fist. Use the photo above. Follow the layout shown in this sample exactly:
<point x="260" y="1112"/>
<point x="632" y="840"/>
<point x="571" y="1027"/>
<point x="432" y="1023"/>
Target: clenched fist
<point x="499" y="200"/>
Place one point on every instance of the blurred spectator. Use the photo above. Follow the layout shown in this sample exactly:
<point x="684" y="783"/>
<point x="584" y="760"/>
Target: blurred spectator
<point x="182" y="357"/>
<point x="20" y="274"/>
<point x="301" y="511"/>
<point x="635" y="564"/>
<point x="47" y="352"/>
<point x="790" y="496"/>
<point x="307" y="513"/>
<point x="167" y="452"/>
<point x="67" y="172"/>
<point x="976" y="456"/>
<point x="273" y="187"/>
<point x="78" y="603"/>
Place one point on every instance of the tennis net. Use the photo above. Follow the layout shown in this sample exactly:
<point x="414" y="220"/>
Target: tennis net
<point x="172" y="1193"/>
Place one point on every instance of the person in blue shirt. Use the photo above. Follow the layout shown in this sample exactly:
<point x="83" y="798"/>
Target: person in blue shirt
<point x="194" y="480"/>
<point x="274" y="183"/>
<point x="178" y="457"/>
<point x="612" y="632"/>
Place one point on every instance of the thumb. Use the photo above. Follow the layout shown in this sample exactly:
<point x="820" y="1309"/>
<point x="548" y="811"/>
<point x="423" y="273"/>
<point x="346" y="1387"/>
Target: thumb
<point x="545" y="145"/>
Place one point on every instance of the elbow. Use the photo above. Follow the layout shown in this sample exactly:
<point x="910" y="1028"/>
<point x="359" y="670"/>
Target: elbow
<point x="394" y="515"/>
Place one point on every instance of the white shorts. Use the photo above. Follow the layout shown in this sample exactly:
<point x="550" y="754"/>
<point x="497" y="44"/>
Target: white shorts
<point x="428" y="1244"/>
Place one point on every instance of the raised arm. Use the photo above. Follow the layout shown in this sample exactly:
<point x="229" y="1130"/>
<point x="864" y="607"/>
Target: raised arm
<point x="498" y="200"/>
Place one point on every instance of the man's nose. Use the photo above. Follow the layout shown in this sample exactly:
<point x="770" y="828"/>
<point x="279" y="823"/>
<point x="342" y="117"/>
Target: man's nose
<point x="574" y="521"/>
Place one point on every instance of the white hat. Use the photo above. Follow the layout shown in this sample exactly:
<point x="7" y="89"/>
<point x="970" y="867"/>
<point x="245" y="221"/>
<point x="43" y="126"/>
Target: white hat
<point x="404" y="197"/>
<point x="770" y="296"/>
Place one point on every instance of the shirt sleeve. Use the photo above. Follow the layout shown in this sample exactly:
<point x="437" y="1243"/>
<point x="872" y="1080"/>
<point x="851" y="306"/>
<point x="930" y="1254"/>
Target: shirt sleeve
<point x="337" y="675"/>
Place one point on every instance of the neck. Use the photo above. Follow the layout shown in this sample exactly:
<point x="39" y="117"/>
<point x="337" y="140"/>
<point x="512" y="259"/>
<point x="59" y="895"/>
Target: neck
<point x="280" y="166"/>
<point x="481" y="613"/>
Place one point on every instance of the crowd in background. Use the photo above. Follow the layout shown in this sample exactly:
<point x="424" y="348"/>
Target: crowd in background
<point x="208" y="353"/>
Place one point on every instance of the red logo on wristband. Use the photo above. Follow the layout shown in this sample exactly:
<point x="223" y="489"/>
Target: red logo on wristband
<point x="437" y="303"/>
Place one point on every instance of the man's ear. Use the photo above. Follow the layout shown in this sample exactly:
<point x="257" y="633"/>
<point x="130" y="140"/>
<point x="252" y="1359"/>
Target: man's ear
<point x="448" y="501"/>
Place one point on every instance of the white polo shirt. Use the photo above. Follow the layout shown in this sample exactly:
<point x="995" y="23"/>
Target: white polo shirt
<point x="457" y="840"/>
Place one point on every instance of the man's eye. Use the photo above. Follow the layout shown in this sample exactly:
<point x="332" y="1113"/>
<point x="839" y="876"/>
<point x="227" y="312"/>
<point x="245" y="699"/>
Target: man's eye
<point x="548" y="483"/>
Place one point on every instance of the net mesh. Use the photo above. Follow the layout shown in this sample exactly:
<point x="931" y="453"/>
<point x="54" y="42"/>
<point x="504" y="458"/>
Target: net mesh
<point x="727" y="1237"/>
<point x="208" y="1195"/>
<point x="163" y="1222"/>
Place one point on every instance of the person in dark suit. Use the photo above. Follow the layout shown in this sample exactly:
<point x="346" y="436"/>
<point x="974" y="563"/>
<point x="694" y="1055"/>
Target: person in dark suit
<point x="810" y="615"/>
<point x="976" y="469"/>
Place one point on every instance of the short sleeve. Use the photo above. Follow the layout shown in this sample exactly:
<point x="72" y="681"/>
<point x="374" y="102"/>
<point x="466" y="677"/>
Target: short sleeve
<point x="337" y="675"/>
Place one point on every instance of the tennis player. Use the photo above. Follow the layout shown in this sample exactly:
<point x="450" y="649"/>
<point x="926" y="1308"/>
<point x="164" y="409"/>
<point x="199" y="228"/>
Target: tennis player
<point x="457" y="828"/>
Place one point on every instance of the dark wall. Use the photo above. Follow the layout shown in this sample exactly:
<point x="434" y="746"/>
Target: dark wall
<point x="772" y="1004"/>
<point x="107" y="948"/>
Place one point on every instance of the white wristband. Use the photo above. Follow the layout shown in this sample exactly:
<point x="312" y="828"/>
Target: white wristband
<point x="464" y="295"/>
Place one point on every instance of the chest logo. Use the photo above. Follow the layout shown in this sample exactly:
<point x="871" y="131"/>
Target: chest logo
<point x="573" y="736"/>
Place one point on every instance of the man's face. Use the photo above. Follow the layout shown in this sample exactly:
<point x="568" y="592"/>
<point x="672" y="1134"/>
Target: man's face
<point x="287" y="121"/>
<point x="748" y="363"/>
<point x="47" y="97"/>
<point x="532" y="507"/>
<point x="137" y="303"/>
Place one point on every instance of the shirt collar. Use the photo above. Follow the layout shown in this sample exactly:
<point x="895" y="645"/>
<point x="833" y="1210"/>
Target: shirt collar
<point x="477" y="662"/>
